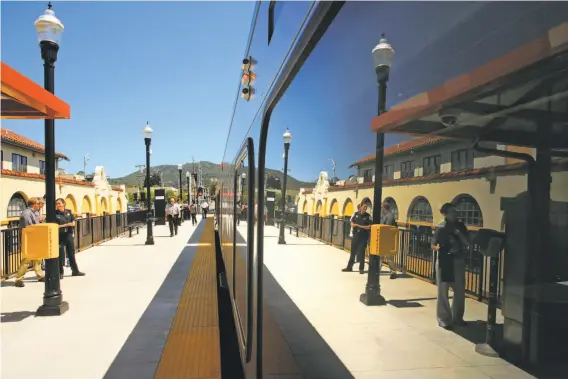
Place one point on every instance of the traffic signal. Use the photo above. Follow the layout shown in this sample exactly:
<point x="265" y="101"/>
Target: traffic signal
<point x="135" y="196"/>
<point x="248" y="78"/>
<point x="142" y="196"/>
<point x="200" y="191"/>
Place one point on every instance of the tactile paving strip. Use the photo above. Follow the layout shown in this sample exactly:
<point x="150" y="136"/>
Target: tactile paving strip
<point x="192" y="350"/>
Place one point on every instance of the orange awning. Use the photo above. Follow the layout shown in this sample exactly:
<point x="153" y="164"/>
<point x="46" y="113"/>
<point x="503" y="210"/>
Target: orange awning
<point x="521" y="74"/>
<point x="24" y="99"/>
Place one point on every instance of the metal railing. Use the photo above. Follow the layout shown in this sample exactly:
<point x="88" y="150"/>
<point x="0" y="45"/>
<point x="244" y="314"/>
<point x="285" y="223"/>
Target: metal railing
<point x="415" y="255"/>
<point x="89" y="231"/>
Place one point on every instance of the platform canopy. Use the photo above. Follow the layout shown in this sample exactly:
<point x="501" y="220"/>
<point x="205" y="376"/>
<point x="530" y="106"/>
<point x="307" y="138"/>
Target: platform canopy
<point x="515" y="99"/>
<point x="24" y="99"/>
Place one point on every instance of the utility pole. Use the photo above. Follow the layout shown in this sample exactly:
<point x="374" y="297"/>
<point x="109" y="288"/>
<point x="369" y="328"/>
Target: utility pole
<point x="85" y="160"/>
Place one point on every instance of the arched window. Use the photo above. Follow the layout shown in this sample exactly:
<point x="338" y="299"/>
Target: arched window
<point x="420" y="210"/>
<point x="16" y="205"/>
<point x="468" y="210"/>
<point x="393" y="207"/>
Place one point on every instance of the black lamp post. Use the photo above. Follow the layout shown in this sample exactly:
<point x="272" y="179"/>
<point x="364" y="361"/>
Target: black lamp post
<point x="383" y="55"/>
<point x="49" y="31"/>
<point x="180" y="167"/>
<point x="187" y="176"/>
<point x="287" y="139"/>
<point x="147" y="140"/>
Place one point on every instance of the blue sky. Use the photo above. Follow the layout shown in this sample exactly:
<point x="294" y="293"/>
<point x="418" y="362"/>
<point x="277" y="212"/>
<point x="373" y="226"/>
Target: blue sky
<point x="174" y="64"/>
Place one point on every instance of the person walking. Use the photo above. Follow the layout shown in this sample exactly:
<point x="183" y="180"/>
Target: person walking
<point x="28" y="217"/>
<point x="205" y="208"/>
<point x="451" y="242"/>
<point x="361" y="225"/>
<point x="387" y="218"/>
<point x="193" y="212"/>
<point x="173" y="211"/>
<point x="66" y="220"/>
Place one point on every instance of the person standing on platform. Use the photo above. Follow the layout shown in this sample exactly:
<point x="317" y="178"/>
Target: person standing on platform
<point x="41" y="218"/>
<point x="351" y="232"/>
<point x="387" y="218"/>
<point x="66" y="220"/>
<point x="361" y="225"/>
<point x="193" y="212"/>
<point x="205" y="208"/>
<point x="180" y="218"/>
<point x="173" y="211"/>
<point x="451" y="242"/>
<point x="28" y="217"/>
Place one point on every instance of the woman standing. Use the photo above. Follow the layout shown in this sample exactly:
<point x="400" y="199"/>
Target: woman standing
<point x="66" y="220"/>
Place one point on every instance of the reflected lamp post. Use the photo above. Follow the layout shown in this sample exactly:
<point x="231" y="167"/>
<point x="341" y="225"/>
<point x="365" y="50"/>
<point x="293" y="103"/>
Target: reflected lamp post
<point x="287" y="139"/>
<point x="383" y="55"/>
<point x="187" y="176"/>
<point x="49" y="30"/>
<point x="147" y="140"/>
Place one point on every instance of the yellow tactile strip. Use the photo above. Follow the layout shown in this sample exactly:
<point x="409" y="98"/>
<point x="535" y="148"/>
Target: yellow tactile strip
<point x="192" y="350"/>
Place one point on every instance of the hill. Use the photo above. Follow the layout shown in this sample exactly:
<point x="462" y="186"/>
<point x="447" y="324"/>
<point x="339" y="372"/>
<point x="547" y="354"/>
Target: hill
<point x="170" y="175"/>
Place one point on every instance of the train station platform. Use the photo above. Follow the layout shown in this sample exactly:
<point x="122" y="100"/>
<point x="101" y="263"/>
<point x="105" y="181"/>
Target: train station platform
<point x="398" y="341"/>
<point x="141" y="310"/>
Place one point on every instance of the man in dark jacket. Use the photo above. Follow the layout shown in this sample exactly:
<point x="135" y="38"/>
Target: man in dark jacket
<point x="361" y="224"/>
<point x="387" y="218"/>
<point x="451" y="242"/>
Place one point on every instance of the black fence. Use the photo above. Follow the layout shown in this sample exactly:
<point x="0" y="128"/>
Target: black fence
<point x="415" y="255"/>
<point x="89" y="231"/>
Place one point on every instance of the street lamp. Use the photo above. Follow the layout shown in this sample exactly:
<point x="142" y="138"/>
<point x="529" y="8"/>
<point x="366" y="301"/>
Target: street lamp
<point x="147" y="140"/>
<point x="49" y="30"/>
<point x="383" y="55"/>
<point x="287" y="139"/>
<point x="187" y="176"/>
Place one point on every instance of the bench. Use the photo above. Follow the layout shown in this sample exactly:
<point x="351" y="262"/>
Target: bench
<point x="288" y="225"/>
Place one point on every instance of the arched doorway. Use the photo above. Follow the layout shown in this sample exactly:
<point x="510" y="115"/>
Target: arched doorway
<point x="86" y="207"/>
<point x="305" y="207"/>
<point x="104" y="207"/>
<point x="16" y="205"/>
<point x="468" y="210"/>
<point x="392" y="206"/>
<point x="348" y="208"/>
<point x="318" y="207"/>
<point x="334" y="208"/>
<point x="71" y="204"/>
<point x="119" y="204"/>
<point x="420" y="210"/>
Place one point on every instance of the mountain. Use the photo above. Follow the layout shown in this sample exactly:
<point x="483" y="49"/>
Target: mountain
<point x="170" y="175"/>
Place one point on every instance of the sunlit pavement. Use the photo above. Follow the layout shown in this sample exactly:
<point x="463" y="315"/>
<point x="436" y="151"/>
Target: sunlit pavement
<point x="123" y="275"/>
<point x="397" y="341"/>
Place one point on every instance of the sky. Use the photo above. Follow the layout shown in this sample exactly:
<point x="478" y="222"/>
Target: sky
<point x="121" y="64"/>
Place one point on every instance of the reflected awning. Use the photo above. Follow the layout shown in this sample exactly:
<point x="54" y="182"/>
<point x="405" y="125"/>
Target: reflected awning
<point x="24" y="99"/>
<point x="510" y="100"/>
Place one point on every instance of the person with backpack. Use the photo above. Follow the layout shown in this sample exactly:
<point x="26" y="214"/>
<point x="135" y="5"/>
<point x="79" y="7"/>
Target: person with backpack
<point x="193" y="212"/>
<point x="451" y="242"/>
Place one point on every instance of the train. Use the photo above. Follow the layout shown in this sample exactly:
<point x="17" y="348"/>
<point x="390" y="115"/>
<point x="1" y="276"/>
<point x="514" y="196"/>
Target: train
<point x="308" y="67"/>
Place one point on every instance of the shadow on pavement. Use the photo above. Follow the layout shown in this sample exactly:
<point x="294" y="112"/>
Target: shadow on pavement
<point x="16" y="316"/>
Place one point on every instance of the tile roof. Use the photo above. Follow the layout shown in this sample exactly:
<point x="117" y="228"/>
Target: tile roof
<point x="462" y="174"/>
<point x="42" y="177"/>
<point x="9" y="136"/>
<point x="400" y="148"/>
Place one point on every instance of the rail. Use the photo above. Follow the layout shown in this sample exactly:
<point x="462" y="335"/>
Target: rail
<point x="89" y="231"/>
<point x="415" y="256"/>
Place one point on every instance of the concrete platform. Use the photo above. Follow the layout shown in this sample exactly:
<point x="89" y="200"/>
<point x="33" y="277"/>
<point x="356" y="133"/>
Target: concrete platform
<point x="123" y="275"/>
<point x="399" y="341"/>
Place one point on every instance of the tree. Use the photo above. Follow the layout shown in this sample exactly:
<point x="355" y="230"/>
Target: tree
<point x="273" y="182"/>
<point x="212" y="189"/>
<point x="155" y="180"/>
<point x="80" y="173"/>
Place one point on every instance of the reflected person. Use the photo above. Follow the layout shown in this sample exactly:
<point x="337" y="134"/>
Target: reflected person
<point x="361" y="225"/>
<point x="451" y="243"/>
<point x="66" y="221"/>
